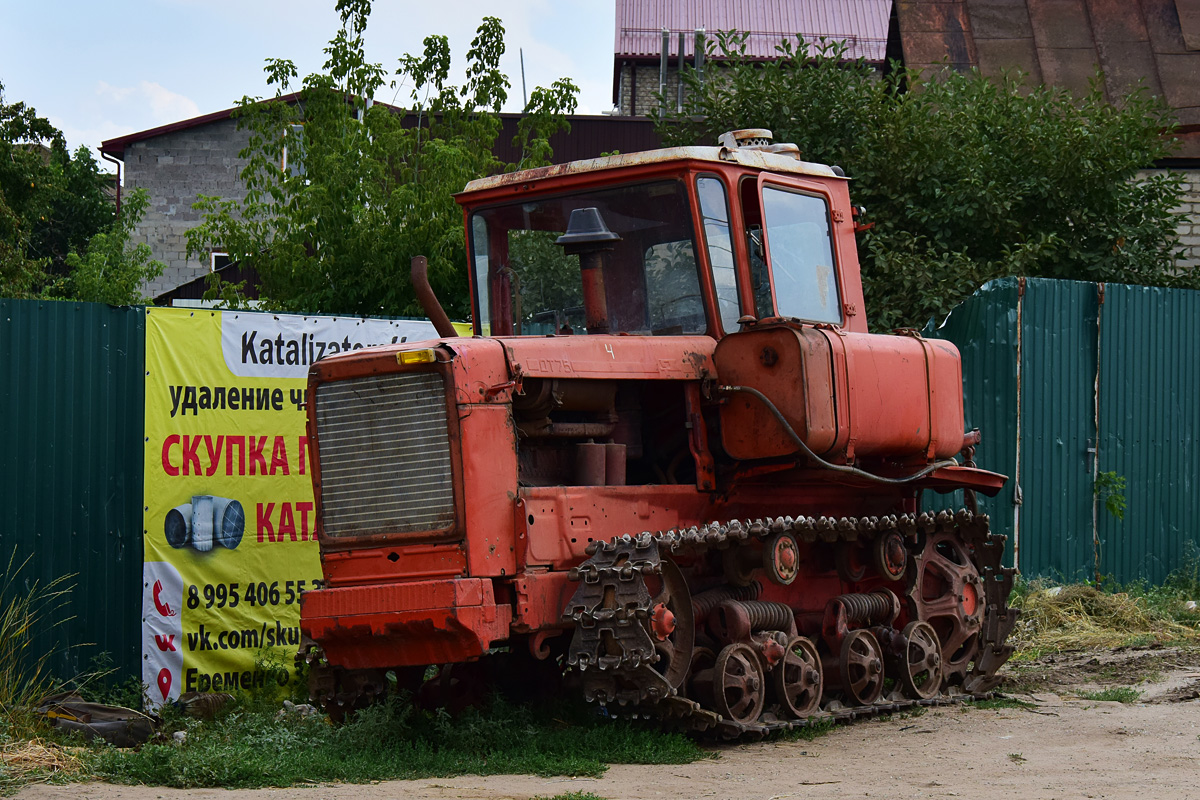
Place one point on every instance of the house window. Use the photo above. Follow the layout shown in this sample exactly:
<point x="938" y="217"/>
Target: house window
<point x="217" y="260"/>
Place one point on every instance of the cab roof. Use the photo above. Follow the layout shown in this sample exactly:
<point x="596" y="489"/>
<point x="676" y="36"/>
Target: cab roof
<point x="744" y="156"/>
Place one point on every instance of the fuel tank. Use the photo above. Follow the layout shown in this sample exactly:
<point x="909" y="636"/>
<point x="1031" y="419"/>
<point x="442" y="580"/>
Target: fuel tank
<point x="847" y="395"/>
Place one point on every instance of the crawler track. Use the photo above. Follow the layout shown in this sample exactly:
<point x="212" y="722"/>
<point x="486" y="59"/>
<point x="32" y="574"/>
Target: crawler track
<point x="619" y="656"/>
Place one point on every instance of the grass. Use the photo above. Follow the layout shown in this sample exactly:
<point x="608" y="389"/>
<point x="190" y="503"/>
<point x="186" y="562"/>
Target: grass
<point x="997" y="703"/>
<point x="1114" y="694"/>
<point x="27" y="607"/>
<point x="1077" y="617"/>
<point x="247" y="747"/>
<point x="35" y="760"/>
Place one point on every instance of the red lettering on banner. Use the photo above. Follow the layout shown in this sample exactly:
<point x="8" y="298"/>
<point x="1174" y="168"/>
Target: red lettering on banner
<point x="240" y="442"/>
<point x="303" y="445"/>
<point x="304" y="509"/>
<point x="257" y="445"/>
<point x="287" y="523"/>
<point x="168" y="467"/>
<point x="264" y="521"/>
<point x="191" y="454"/>
<point x="214" y="454"/>
<point x="279" y="456"/>
<point x="165" y="642"/>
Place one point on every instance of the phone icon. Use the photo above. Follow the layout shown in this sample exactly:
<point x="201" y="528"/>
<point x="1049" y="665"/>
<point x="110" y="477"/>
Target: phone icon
<point x="163" y="608"/>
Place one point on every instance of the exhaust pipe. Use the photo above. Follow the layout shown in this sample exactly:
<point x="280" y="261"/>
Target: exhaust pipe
<point x="428" y="300"/>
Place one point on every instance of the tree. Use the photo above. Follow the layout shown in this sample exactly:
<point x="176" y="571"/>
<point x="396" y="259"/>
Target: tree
<point x="60" y="236"/>
<point x="110" y="269"/>
<point x="965" y="178"/>
<point x="342" y="194"/>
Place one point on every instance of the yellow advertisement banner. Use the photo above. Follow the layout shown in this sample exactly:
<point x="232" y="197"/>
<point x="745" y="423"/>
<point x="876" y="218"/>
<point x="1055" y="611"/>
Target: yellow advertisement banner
<point x="229" y="512"/>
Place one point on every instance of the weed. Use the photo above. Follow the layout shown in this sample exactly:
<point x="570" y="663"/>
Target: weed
<point x="998" y="702"/>
<point x="1110" y="490"/>
<point x="1017" y="758"/>
<point x="247" y="747"/>
<point x="1118" y="694"/>
<point x="98" y="686"/>
<point x="571" y="796"/>
<point x="815" y="729"/>
<point x="26" y="607"/>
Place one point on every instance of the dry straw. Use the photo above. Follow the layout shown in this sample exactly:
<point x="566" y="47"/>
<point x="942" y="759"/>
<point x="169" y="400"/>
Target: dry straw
<point x="1081" y="617"/>
<point x="36" y="761"/>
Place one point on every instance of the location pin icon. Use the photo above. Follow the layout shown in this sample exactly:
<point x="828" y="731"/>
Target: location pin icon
<point x="164" y="682"/>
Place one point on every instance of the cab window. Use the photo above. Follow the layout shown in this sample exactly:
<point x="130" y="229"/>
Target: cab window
<point x="714" y="212"/>
<point x="799" y="249"/>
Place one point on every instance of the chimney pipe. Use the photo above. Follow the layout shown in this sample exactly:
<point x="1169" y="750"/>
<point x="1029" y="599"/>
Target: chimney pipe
<point x="662" y="72"/>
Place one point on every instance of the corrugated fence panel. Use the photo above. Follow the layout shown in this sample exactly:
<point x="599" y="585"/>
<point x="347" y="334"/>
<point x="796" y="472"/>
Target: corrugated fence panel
<point x="1149" y="422"/>
<point x="1058" y="401"/>
<point x="984" y="328"/>
<point x="71" y="416"/>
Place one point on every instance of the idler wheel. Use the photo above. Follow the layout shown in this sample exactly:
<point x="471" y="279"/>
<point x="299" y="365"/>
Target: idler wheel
<point x="921" y="673"/>
<point x="797" y="679"/>
<point x="861" y="668"/>
<point x="738" y="686"/>
<point x="851" y="560"/>
<point x="672" y="624"/>
<point x="890" y="555"/>
<point x="781" y="558"/>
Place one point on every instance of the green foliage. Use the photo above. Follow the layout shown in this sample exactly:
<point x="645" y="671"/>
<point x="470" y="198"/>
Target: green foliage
<point x="247" y="746"/>
<point x="1114" y="694"/>
<point x="111" y="269"/>
<point x="1170" y="599"/>
<point x="60" y="236"/>
<point x="27" y="607"/>
<point x="1110" y="490"/>
<point x="965" y="178"/>
<point x="335" y="229"/>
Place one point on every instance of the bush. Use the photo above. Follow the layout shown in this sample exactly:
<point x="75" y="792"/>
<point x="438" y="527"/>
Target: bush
<point x="965" y="178"/>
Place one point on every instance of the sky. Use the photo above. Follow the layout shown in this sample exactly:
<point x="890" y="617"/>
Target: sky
<point x="101" y="70"/>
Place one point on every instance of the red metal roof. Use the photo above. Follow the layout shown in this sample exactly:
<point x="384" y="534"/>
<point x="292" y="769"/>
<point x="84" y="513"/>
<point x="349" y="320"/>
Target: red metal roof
<point x="863" y="24"/>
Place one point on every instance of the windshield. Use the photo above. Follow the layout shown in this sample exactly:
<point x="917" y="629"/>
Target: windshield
<point x="526" y="283"/>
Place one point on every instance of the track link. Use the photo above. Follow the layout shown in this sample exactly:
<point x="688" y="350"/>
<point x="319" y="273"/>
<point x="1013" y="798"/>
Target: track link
<point x="613" y="649"/>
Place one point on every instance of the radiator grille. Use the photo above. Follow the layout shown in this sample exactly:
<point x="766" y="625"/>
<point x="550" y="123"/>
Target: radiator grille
<point x="385" y="455"/>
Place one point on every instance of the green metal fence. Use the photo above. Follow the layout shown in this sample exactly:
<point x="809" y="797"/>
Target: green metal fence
<point x="1071" y="380"/>
<point x="71" y="419"/>
<point x="1066" y="380"/>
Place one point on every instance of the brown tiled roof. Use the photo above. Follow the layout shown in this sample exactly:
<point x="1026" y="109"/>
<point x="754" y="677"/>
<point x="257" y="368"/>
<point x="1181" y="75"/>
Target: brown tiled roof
<point x="1155" y="43"/>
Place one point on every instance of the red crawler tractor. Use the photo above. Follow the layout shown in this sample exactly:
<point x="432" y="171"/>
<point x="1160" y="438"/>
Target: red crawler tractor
<point x="671" y="460"/>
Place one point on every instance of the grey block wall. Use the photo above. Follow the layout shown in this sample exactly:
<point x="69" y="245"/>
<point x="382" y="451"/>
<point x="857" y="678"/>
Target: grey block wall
<point x="173" y="169"/>
<point x="1189" y="231"/>
<point x="1189" y="226"/>
<point x="644" y="95"/>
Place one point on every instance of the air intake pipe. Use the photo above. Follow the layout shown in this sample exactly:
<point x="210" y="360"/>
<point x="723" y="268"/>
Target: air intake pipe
<point x="428" y="300"/>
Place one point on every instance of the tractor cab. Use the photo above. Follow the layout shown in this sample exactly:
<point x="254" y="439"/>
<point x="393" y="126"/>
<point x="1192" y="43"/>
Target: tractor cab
<point x="683" y="241"/>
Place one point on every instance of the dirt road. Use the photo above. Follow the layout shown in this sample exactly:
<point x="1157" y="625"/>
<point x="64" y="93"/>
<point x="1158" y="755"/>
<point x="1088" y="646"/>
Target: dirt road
<point x="1060" y="748"/>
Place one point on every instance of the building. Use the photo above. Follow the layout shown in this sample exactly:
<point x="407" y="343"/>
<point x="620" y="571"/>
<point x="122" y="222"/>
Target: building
<point x="1151" y="43"/>
<point x="1155" y="42"/>
<point x="178" y="162"/>
<point x="654" y="38"/>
